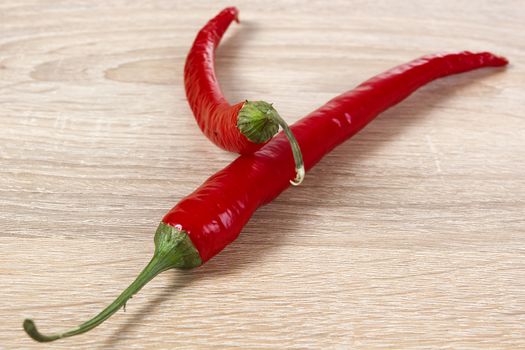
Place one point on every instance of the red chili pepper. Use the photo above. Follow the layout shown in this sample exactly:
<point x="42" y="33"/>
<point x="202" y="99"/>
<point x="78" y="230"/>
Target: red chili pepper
<point x="210" y="218"/>
<point x="243" y="127"/>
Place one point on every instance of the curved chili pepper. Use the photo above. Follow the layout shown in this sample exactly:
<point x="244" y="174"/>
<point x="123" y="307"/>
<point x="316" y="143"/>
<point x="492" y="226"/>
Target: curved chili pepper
<point x="210" y="218"/>
<point x="243" y="127"/>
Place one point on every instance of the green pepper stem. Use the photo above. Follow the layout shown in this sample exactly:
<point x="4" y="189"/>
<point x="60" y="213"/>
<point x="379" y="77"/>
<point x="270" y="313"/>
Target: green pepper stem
<point x="173" y="248"/>
<point x="296" y="150"/>
<point x="259" y="122"/>
<point x="151" y="270"/>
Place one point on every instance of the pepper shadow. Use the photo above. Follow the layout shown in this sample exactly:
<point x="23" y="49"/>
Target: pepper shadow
<point x="178" y="280"/>
<point x="255" y="241"/>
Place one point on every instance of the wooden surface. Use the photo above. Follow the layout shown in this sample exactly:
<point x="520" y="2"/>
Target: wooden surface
<point x="411" y="235"/>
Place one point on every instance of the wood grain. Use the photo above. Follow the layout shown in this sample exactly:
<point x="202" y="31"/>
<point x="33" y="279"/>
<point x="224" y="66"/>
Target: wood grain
<point x="411" y="235"/>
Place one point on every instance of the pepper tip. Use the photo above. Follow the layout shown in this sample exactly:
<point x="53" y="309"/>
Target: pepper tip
<point x="234" y="11"/>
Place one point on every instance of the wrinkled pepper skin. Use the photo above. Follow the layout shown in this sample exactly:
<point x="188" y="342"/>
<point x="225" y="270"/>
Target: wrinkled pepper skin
<point x="215" y="116"/>
<point x="215" y="213"/>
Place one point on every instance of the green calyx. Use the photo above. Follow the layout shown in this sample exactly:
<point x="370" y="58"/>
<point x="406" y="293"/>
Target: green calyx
<point x="173" y="249"/>
<point x="259" y="122"/>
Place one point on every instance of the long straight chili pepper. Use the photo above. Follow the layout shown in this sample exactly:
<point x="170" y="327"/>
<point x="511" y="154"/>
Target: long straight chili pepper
<point x="243" y="127"/>
<point x="210" y="218"/>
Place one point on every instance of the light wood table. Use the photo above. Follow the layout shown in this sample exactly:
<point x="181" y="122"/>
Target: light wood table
<point x="409" y="236"/>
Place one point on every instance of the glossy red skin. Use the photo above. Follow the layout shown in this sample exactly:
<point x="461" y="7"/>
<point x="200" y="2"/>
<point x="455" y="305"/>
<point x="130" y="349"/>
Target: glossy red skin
<point x="215" y="116"/>
<point x="214" y="215"/>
